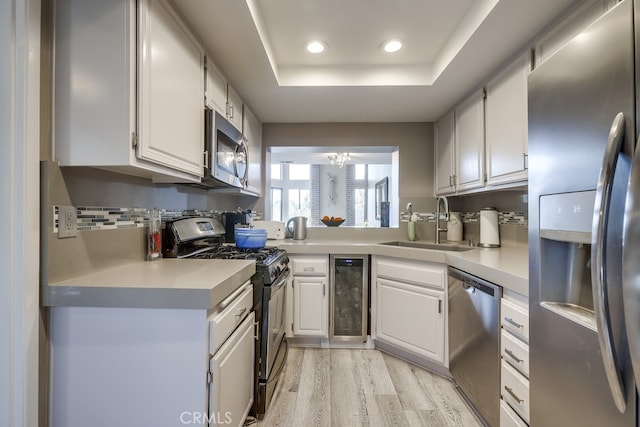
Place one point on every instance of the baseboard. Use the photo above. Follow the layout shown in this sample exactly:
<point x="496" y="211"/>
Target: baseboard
<point x="414" y="359"/>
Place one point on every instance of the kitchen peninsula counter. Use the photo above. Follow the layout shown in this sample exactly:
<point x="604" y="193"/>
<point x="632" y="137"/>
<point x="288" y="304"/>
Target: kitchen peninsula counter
<point x="505" y="266"/>
<point x="166" y="283"/>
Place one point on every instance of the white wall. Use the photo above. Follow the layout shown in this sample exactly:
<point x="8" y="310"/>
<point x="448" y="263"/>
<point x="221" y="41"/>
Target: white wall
<point x="19" y="196"/>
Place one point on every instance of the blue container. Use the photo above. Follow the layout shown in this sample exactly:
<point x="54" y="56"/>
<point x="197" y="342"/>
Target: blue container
<point x="250" y="238"/>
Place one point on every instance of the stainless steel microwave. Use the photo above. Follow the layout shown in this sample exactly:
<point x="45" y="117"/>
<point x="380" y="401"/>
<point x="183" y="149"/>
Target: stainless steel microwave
<point x="226" y="156"/>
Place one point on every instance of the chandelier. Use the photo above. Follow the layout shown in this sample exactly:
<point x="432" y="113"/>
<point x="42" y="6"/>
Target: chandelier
<point x="339" y="159"/>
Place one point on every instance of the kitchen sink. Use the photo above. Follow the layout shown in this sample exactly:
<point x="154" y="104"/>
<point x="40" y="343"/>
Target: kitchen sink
<point x="421" y="245"/>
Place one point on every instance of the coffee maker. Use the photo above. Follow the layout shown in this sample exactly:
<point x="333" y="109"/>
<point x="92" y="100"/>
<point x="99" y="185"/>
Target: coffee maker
<point x="233" y="220"/>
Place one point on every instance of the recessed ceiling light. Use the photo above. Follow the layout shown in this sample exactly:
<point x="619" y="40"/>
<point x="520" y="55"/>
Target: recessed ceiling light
<point x="316" y="46"/>
<point x="392" y="46"/>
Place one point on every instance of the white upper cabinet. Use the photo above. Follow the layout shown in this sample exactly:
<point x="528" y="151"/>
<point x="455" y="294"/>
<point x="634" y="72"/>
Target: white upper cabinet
<point x="252" y="130"/>
<point x="221" y="97"/>
<point x="216" y="89"/>
<point x="234" y="107"/>
<point x="469" y="137"/>
<point x="445" y="155"/>
<point x="132" y="101"/>
<point x="506" y="122"/>
<point x="171" y="88"/>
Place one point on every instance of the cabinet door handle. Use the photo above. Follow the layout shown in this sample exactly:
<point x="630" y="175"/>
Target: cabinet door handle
<point x="324" y="289"/>
<point x="450" y="180"/>
<point x="256" y="330"/>
<point x="230" y="111"/>
<point x="439" y="306"/>
<point x="513" y="322"/>
<point x="513" y="356"/>
<point x="515" y="396"/>
<point x="206" y="159"/>
<point x="525" y="161"/>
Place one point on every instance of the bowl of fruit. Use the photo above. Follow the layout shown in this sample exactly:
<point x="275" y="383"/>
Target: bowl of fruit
<point x="331" y="221"/>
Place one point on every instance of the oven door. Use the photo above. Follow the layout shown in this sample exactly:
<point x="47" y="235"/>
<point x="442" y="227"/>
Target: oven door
<point x="273" y="324"/>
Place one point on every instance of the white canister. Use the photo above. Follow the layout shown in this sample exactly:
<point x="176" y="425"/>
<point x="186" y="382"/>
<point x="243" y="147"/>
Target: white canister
<point x="489" y="231"/>
<point x="454" y="227"/>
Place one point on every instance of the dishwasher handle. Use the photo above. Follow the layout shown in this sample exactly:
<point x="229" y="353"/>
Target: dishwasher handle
<point x="472" y="283"/>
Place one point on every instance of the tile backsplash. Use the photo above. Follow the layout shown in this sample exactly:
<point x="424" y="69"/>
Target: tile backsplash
<point x="511" y="218"/>
<point x="92" y="218"/>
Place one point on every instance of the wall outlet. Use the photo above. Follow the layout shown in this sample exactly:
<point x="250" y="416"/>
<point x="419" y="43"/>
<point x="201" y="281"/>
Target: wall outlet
<point x="67" y="222"/>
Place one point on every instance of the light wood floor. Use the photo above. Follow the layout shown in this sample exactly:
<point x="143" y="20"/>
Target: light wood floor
<point x="341" y="387"/>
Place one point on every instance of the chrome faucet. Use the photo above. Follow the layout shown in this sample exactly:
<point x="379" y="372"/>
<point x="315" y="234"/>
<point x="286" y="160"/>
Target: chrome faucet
<point x="446" y="216"/>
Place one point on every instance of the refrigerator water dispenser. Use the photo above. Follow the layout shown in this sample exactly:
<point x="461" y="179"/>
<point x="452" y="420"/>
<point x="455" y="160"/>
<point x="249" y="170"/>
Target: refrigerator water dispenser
<point x="565" y="255"/>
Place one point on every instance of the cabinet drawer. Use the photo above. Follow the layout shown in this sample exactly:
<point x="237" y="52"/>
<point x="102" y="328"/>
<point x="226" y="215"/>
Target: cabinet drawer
<point x="230" y="316"/>
<point x="310" y="266"/>
<point x="515" y="319"/>
<point x="515" y="352"/>
<point x="515" y="390"/>
<point x="508" y="418"/>
<point x="413" y="272"/>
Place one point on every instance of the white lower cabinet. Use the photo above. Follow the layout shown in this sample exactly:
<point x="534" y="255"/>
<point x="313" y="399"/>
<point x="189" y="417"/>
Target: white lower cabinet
<point x="411" y="306"/>
<point x="508" y="418"/>
<point x="411" y="317"/>
<point x="115" y="366"/>
<point x="515" y="390"/>
<point x="231" y="368"/>
<point x="309" y="308"/>
<point x="514" y="350"/>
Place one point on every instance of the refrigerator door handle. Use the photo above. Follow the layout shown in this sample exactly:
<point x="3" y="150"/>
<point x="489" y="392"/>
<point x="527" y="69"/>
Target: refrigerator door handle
<point x="598" y="262"/>
<point x="630" y="271"/>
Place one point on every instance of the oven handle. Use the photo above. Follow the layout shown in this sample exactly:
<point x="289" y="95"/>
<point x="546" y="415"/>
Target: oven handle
<point x="231" y="298"/>
<point x="281" y="281"/>
<point x="281" y="367"/>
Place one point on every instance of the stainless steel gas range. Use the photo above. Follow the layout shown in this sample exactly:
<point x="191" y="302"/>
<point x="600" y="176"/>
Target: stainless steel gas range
<point x="202" y="237"/>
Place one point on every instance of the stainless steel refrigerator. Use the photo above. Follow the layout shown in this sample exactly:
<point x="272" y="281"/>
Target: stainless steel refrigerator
<point x="582" y="133"/>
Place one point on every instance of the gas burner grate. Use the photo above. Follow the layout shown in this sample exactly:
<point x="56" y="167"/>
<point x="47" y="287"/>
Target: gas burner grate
<point x="263" y="255"/>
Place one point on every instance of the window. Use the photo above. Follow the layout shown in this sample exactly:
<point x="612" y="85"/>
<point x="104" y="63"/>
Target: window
<point x="290" y="191"/>
<point x="276" y="204"/>
<point x="303" y="182"/>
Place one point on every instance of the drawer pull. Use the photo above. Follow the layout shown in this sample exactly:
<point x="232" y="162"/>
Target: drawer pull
<point x="309" y="269"/>
<point x="513" y="356"/>
<point x="513" y="322"/>
<point x="515" y="396"/>
<point x="241" y="312"/>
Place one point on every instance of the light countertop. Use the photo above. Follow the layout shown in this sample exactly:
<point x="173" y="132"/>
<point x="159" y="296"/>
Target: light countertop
<point x="166" y="283"/>
<point x="204" y="283"/>
<point x="505" y="266"/>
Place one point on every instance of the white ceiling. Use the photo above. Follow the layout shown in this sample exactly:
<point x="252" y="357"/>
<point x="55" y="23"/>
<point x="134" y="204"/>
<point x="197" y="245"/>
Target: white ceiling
<point x="450" y="46"/>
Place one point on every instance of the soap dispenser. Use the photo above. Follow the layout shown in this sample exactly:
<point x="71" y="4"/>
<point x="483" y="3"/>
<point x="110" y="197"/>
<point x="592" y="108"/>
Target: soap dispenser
<point x="411" y="225"/>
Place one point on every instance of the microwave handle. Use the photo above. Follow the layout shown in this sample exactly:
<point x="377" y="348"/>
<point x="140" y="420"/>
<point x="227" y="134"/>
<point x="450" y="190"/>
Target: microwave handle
<point x="242" y="147"/>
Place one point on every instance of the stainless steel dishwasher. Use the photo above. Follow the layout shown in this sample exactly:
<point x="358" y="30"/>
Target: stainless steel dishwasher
<point x="474" y="341"/>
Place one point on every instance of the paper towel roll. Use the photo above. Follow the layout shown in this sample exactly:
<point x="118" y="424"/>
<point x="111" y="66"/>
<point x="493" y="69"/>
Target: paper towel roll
<point x="489" y="232"/>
